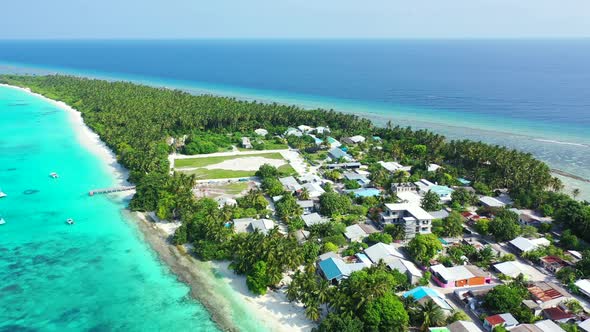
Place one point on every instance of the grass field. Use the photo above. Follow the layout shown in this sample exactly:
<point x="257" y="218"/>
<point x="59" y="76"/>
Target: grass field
<point x="206" y="161"/>
<point x="287" y="170"/>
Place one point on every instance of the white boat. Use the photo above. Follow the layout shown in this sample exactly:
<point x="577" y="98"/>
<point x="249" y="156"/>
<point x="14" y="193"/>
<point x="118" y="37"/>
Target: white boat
<point x="53" y="175"/>
<point x="70" y="221"/>
<point x="2" y="194"/>
<point x="2" y="221"/>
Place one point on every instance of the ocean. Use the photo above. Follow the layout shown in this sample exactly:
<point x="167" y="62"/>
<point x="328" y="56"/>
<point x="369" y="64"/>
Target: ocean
<point x="95" y="275"/>
<point x="532" y="95"/>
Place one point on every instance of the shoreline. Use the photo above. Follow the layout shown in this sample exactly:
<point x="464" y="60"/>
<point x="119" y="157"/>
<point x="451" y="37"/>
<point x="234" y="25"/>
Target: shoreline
<point x="204" y="279"/>
<point x="212" y="282"/>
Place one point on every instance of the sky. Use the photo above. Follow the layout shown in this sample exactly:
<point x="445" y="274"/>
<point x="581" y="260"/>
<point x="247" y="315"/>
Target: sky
<point x="162" y="19"/>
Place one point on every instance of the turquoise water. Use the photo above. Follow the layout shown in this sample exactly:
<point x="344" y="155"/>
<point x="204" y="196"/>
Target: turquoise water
<point x="97" y="275"/>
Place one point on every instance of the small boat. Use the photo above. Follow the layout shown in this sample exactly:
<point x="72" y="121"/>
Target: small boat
<point x="2" y="221"/>
<point x="2" y="194"/>
<point x="53" y="175"/>
<point x="70" y="221"/>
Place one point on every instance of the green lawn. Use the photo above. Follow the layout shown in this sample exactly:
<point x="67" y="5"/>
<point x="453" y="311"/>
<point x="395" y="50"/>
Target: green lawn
<point x="205" y="161"/>
<point x="287" y="170"/>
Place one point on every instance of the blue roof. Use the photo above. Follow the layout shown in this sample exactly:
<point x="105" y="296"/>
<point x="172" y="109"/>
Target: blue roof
<point x="376" y="138"/>
<point x="337" y="153"/>
<point x="333" y="268"/>
<point x="464" y="181"/>
<point x="441" y="190"/>
<point x="331" y="139"/>
<point x="366" y="192"/>
<point x="420" y="292"/>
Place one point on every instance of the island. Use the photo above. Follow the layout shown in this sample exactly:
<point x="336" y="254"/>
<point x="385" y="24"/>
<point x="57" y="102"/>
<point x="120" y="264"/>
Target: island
<point x="365" y="228"/>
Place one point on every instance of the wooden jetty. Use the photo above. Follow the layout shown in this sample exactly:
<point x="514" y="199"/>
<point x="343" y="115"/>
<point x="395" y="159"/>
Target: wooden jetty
<point x="110" y="190"/>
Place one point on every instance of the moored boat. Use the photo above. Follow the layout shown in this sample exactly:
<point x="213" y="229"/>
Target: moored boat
<point x="70" y="221"/>
<point x="53" y="175"/>
<point x="2" y="194"/>
<point x="2" y="221"/>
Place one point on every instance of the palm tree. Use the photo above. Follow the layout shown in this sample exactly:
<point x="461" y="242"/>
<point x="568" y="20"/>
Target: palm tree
<point x="312" y="311"/>
<point x="304" y="194"/>
<point x="430" y="315"/>
<point x="576" y="192"/>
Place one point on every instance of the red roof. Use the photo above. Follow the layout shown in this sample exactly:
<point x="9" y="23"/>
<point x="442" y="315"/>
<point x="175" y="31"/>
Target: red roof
<point x="556" y="313"/>
<point x="495" y="320"/>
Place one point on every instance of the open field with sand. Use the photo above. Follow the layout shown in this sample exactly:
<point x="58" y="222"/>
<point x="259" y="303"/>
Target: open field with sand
<point x="231" y="166"/>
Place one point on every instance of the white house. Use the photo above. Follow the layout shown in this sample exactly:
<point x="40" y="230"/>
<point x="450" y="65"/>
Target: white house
<point x="246" y="143"/>
<point x="353" y="139"/>
<point x="584" y="286"/>
<point x="355" y="233"/>
<point x="412" y="217"/>
<point x="522" y="244"/>
<point x="314" y="189"/>
<point x="313" y="219"/>
<point x="290" y="184"/>
<point x="393" y="167"/>
<point x="261" y="132"/>
<point x="304" y="129"/>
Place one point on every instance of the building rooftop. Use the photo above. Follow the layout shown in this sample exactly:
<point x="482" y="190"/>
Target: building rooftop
<point x="313" y="219"/>
<point x="290" y="183"/>
<point x="557" y="313"/>
<point x="454" y="273"/>
<point x="421" y="293"/>
<point x="548" y="326"/>
<point x="491" y="201"/>
<point x="382" y="251"/>
<point x="337" y="153"/>
<point x="547" y="291"/>
<point x="583" y="285"/>
<point x="463" y="326"/>
<point x="506" y="318"/>
<point x="306" y="204"/>
<point x="354" y="232"/>
<point x="366" y="192"/>
<point x="513" y="269"/>
<point x="523" y="244"/>
<point x="403" y="265"/>
<point x="415" y="210"/>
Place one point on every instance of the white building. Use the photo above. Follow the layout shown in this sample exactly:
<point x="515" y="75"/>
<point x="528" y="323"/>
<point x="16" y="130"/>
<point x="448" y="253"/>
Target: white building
<point x="261" y="132"/>
<point x="412" y="217"/>
<point x="246" y="143"/>
<point x="522" y="244"/>
<point x="393" y="167"/>
<point x="313" y="219"/>
<point x="314" y="189"/>
<point x="290" y="184"/>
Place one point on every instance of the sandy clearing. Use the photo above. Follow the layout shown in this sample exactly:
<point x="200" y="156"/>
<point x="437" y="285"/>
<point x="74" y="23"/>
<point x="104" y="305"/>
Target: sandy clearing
<point x="245" y="164"/>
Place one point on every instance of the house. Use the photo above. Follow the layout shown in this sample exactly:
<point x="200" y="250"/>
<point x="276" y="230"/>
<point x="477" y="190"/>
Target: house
<point x="304" y="129"/>
<point x="548" y="294"/>
<point x="443" y="192"/>
<point x="522" y="244"/>
<point x="411" y="197"/>
<point x="433" y="167"/>
<point x="309" y="178"/>
<point x="301" y="235"/>
<point x="365" y="192"/>
<point x="353" y="140"/>
<point x="290" y="184"/>
<point x="584" y="286"/>
<point x="440" y="214"/>
<point x="464" y="182"/>
<point x="351" y="165"/>
<point x="361" y="179"/>
<point x="355" y="233"/>
<point x="423" y="294"/>
<point x="314" y="189"/>
<point x="406" y="267"/>
<point x="313" y="219"/>
<point x="261" y="132"/>
<point x="337" y="154"/>
<point x="513" y="269"/>
<point x="553" y="263"/>
<point x="332" y="142"/>
<point x="402" y="187"/>
<point x="246" y="143"/>
<point x="293" y="132"/>
<point x="381" y="251"/>
<point x="393" y="167"/>
<point x="531" y="218"/>
<point x="557" y="314"/>
<point x="473" y="297"/>
<point x="223" y="201"/>
<point x="488" y="201"/>
<point x="334" y="268"/>
<point x="249" y="225"/>
<point x="459" y="276"/>
<point x="308" y="206"/>
<point x="548" y="326"/>
<point x="412" y="217"/>
<point x="506" y="320"/>
<point x="463" y="326"/>
<point x="322" y="130"/>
